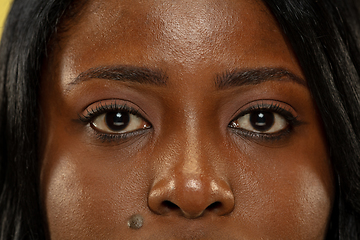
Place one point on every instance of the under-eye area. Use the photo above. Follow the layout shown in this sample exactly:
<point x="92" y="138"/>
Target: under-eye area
<point x="114" y="119"/>
<point x="265" y="120"/>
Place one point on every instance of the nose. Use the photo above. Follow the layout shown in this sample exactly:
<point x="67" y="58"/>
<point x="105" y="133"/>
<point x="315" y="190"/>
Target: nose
<point x="190" y="177"/>
<point x="191" y="195"/>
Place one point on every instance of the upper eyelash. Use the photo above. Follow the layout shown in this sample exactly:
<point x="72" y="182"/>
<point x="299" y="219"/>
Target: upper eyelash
<point x="103" y="108"/>
<point x="275" y="107"/>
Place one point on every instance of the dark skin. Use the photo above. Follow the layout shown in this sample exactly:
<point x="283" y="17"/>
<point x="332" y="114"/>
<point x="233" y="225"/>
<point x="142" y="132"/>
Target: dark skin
<point x="156" y="108"/>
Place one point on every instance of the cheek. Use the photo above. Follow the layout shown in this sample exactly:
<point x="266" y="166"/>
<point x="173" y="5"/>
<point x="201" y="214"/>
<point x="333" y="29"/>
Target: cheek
<point x="286" y="191"/>
<point x="279" y="192"/>
<point x="90" y="194"/>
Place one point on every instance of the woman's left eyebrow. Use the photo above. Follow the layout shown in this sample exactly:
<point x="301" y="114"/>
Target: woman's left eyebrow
<point x="240" y="77"/>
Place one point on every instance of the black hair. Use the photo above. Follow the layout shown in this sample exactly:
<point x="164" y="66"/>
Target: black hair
<point x="325" y="35"/>
<point x="28" y="28"/>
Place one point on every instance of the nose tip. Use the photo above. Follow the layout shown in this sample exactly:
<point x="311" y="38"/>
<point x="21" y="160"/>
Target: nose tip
<point x="191" y="198"/>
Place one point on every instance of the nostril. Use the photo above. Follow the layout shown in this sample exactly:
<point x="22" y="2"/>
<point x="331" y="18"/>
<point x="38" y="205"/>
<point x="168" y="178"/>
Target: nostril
<point x="170" y="205"/>
<point x="214" y="206"/>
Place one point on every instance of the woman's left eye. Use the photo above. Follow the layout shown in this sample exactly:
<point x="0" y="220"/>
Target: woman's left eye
<point x="261" y="121"/>
<point x="120" y="121"/>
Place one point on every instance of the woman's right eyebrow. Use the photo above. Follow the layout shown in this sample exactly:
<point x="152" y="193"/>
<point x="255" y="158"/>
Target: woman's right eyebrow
<point x="125" y="73"/>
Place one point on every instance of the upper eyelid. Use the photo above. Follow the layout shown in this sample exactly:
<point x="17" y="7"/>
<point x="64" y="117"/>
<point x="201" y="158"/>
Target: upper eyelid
<point x="106" y="107"/>
<point x="90" y="112"/>
<point x="116" y="100"/>
<point x="262" y="104"/>
<point x="262" y="107"/>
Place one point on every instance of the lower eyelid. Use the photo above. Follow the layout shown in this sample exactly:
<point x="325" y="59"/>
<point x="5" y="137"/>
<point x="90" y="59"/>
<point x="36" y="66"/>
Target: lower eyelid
<point x="262" y="138"/>
<point x="119" y="138"/>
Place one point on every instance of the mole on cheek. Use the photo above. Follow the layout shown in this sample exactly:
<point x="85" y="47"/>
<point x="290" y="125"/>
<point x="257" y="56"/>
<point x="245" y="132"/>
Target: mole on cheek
<point x="135" y="221"/>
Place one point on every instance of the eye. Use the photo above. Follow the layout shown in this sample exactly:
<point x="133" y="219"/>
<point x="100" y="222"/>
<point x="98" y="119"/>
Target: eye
<point x="261" y="121"/>
<point x="115" y="119"/>
<point x="118" y="122"/>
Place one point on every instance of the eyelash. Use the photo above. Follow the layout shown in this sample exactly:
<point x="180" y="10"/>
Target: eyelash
<point x="292" y="121"/>
<point x="94" y="112"/>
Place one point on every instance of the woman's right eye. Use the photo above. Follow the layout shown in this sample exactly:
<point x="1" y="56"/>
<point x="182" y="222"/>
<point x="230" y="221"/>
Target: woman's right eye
<point x="118" y="122"/>
<point x="114" y="119"/>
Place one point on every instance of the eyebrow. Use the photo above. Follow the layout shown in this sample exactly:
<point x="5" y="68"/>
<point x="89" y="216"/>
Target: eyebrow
<point x="125" y="73"/>
<point x="228" y="79"/>
<point x="255" y="76"/>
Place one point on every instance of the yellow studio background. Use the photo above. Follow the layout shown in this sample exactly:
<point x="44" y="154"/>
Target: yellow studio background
<point x="4" y="9"/>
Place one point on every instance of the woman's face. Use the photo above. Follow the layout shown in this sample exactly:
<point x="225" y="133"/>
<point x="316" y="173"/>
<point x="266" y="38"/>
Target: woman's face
<point x="193" y="114"/>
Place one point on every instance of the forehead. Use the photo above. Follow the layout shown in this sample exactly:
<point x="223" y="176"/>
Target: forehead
<point x="191" y="35"/>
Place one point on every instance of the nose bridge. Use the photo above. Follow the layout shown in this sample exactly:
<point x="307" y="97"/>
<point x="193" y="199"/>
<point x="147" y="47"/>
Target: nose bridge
<point x="194" y="165"/>
<point x="192" y="185"/>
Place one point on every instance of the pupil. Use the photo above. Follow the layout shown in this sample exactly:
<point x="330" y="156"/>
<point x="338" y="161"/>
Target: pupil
<point x="117" y="121"/>
<point x="262" y="121"/>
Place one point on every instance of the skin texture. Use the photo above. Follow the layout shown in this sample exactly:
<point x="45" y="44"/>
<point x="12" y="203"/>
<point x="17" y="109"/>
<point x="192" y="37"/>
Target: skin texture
<point x="188" y="170"/>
